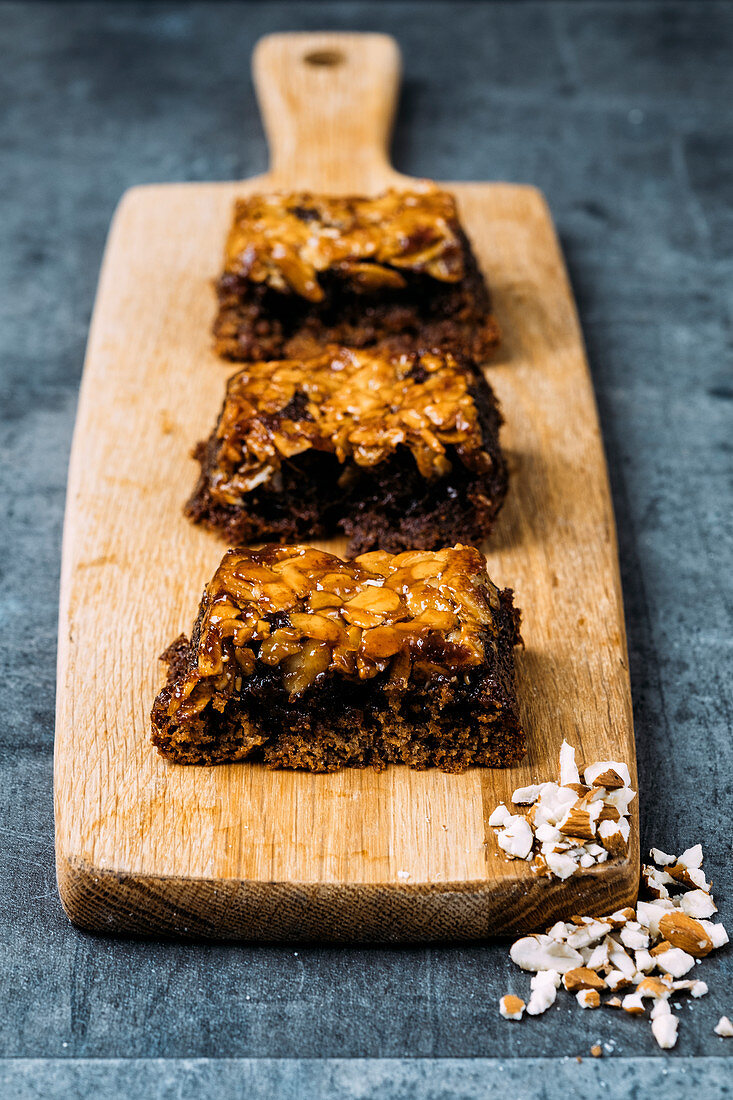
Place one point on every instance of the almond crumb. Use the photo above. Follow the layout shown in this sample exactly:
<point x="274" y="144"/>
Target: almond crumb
<point x="633" y="1003"/>
<point x="511" y="1007"/>
<point x="664" y="1030"/>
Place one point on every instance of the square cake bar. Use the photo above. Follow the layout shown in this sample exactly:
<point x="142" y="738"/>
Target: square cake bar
<point x="302" y="271"/>
<point x="302" y="660"/>
<point x="396" y="451"/>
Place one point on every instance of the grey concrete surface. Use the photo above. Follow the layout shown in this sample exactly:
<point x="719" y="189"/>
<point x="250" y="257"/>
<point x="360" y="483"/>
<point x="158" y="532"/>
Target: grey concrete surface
<point x="368" y="1079"/>
<point x="621" y="112"/>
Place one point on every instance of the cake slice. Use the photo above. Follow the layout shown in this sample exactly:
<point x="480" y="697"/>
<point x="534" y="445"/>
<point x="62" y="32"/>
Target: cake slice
<point x="396" y="451"/>
<point x="302" y="660"/>
<point x="302" y="271"/>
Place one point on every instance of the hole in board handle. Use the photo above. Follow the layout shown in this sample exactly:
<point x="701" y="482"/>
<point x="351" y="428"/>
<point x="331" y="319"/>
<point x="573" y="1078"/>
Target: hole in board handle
<point x="323" y="59"/>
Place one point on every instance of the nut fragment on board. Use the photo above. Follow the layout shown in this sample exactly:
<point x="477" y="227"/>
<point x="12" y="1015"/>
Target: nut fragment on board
<point x="569" y="826"/>
<point x="724" y="1028"/>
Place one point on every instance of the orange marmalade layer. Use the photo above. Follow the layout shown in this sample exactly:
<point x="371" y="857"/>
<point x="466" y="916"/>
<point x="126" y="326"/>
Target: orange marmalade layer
<point x="422" y="613"/>
<point x="358" y="405"/>
<point x="286" y="241"/>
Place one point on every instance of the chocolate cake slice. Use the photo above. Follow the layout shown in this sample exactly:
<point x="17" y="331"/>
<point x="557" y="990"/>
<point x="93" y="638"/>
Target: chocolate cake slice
<point x="396" y="451"/>
<point x="303" y="271"/>
<point x="302" y="660"/>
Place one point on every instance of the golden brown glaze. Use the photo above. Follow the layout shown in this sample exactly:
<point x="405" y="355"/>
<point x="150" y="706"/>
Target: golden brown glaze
<point x="419" y="613"/>
<point x="359" y="405"/>
<point x="286" y="241"/>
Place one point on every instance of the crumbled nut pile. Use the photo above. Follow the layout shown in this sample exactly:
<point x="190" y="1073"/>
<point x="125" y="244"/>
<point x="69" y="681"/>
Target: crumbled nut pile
<point x="286" y="241"/>
<point x="310" y="613"/>
<point x="643" y="954"/>
<point x="357" y="405"/>
<point x="568" y="825"/>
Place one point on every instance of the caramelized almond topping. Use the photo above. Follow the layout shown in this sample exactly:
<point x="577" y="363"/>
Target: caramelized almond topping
<point x="357" y="405"/>
<point x="287" y="241"/>
<point x="260" y="605"/>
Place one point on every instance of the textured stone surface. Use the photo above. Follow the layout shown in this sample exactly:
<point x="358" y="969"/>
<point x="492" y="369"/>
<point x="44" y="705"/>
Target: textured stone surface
<point x="368" y="1079"/>
<point x="619" y="111"/>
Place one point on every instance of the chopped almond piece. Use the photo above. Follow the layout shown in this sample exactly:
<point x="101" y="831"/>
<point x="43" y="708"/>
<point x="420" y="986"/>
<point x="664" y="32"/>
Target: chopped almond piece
<point x="610" y="779"/>
<point x="582" y="978"/>
<point x="633" y="1004"/>
<point x="511" y="1007"/>
<point x="664" y="1030"/>
<point x="687" y="933"/>
<point x="653" y="987"/>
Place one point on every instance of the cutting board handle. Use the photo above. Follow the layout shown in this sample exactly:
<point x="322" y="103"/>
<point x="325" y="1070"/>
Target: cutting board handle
<point x="328" y="102"/>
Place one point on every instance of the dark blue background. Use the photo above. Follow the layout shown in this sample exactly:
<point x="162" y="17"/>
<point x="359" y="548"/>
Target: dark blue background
<point x="621" y="112"/>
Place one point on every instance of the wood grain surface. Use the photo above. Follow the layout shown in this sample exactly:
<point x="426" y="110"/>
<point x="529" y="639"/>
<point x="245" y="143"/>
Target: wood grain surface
<point x="239" y="851"/>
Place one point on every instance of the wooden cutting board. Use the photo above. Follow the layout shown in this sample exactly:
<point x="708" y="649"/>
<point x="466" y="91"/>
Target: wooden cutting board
<point x="239" y="851"/>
